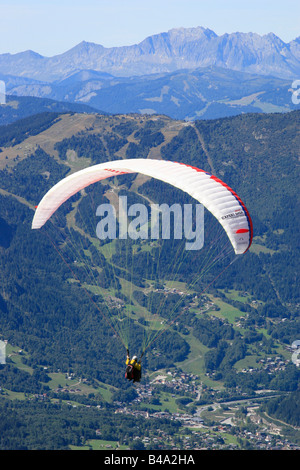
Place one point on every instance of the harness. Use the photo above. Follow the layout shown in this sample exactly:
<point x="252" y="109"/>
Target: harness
<point x="131" y="371"/>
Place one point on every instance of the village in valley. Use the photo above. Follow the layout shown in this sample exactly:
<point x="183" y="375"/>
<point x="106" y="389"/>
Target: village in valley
<point x="214" y="422"/>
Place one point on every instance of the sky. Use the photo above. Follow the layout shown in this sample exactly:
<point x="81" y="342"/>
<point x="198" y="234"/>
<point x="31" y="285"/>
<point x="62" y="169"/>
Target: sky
<point x="51" y="27"/>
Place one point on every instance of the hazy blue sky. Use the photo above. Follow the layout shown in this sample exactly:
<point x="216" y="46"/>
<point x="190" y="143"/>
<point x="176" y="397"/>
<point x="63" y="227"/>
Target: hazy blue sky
<point x="52" y="27"/>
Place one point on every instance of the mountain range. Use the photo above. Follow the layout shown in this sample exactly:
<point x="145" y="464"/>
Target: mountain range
<point x="176" y="49"/>
<point x="183" y="73"/>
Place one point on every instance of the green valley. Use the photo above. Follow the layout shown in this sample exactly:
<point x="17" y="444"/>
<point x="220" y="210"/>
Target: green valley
<point x="222" y="374"/>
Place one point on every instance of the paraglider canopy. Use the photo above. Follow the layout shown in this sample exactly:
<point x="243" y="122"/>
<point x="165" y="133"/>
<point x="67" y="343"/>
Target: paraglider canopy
<point x="214" y="194"/>
<point x="141" y="269"/>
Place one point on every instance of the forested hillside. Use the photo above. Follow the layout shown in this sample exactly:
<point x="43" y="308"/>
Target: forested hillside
<point x="248" y="314"/>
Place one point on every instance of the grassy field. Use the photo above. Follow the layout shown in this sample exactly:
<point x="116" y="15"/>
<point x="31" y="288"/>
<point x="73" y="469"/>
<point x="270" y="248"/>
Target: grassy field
<point x="258" y="246"/>
<point x="99" y="444"/>
<point x="236" y="295"/>
<point x="227" y="311"/>
<point x="15" y="355"/>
